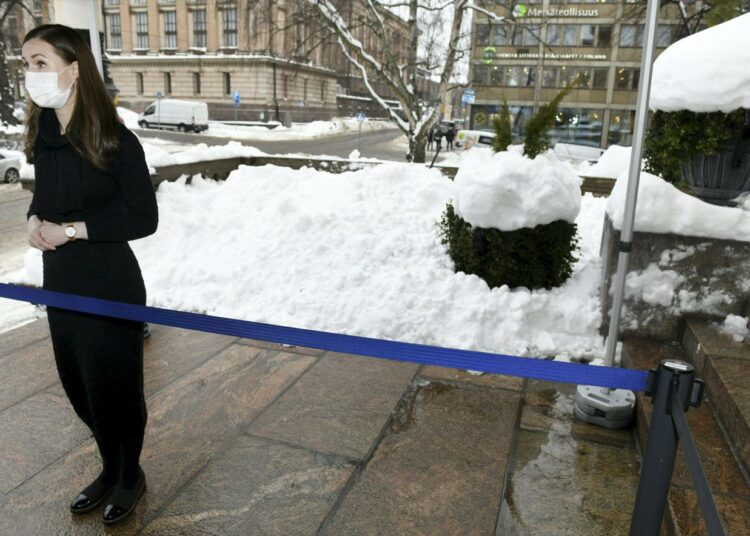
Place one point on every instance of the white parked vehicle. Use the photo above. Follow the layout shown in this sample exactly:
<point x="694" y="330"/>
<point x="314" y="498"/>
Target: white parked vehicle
<point x="10" y="167"/>
<point x="176" y="114"/>
<point x="468" y="138"/>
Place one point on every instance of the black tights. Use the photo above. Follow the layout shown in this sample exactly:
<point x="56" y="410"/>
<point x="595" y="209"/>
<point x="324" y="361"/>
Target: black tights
<point x="100" y="362"/>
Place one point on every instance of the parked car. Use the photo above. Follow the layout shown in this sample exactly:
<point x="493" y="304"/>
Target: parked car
<point x="10" y="166"/>
<point x="469" y="138"/>
<point x="175" y="114"/>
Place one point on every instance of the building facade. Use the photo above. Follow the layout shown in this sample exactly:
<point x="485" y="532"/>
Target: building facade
<point x="546" y="46"/>
<point x="270" y="55"/>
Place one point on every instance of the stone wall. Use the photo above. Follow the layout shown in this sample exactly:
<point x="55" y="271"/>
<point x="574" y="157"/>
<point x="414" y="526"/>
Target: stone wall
<point x="711" y="278"/>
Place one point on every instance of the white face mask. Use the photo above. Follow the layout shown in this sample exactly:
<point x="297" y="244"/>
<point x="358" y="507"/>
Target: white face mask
<point x="44" y="90"/>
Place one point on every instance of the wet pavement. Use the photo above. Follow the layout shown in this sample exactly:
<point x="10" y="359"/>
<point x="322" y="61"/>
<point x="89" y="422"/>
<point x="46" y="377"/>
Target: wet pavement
<point x="246" y="438"/>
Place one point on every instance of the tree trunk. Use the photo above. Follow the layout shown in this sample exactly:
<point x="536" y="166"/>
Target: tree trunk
<point x="417" y="148"/>
<point x="7" y="100"/>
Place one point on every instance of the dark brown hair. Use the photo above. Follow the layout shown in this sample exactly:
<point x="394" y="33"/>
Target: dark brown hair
<point x="93" y="129"/>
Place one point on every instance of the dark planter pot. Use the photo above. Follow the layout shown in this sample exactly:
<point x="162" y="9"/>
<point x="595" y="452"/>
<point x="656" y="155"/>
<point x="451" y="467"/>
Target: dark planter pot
<point x="721" y="177"/>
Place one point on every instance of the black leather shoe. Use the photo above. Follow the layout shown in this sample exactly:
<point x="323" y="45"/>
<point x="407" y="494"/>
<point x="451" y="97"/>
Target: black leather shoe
<point x="123" y="501"/>
<point x="91" y="497"/>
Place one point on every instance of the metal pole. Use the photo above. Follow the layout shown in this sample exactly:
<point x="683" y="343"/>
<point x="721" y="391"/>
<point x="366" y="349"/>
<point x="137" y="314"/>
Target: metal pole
<point x="94" y="37"/>
<point x="661" y="447"/>
<point x="626" y="234"/>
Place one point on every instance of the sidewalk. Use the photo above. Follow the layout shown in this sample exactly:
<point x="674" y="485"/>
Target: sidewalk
<point x="249" y="438"/>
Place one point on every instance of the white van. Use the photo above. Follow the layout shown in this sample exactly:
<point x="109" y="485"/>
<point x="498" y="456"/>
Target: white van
<point x="175" y="114"/>
<point x="465" y="139"/>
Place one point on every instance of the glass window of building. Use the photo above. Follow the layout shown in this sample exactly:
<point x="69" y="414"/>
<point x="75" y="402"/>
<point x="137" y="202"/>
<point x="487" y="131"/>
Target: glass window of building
<point x="600" y="79"/>
<point x="139" y="83"/>
<point x="483" y="34"/>
<point x="581" y="126"/>
<point x="549" y="77"/>
<point x="532" y="34"/>
<point x="230" y="27"/>
<point x="227" y="83"/>
<point x="141" y="29"/>
<point x="553" y="34"/>
<point x="664" y="35"/>
<point x="170" y="29"/>
<point x="167" y="83"/>
<point x="481" y="75"/>
<point x="199" y="28"/>
<point x="196" y="83"/>
<point x="631" y="35"/>
<point x="519" y="76"/>
<point x="570" y="35"/>
<point x="588" y="35"/>
<point x="621" y="124"/>
<point x="627" y="79"/>
<point x="115" y="32"/>
<point x="499" y="36"/>
<point x="604" y="36"/>
<point x="496" y="76"/>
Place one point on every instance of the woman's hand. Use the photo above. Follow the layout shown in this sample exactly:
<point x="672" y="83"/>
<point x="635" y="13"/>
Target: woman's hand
<point x="53" y="234"/>
<point x="36" y="240"/>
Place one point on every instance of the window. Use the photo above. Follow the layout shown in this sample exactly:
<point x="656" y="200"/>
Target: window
<point x="115" y="32"/>
<point x="323" y="88"/>
<point x="582" y="77"/>
<point x="499" y="36"/>
<point x="230" y="27"/>
<point x="549" y="77"/>
<point x="665" y="35"/>
<point x="196" y="83"/>
<point x="199" y="28"/>
<point x="631" y="35"/>
<point x="584" y="35"/>
<point x="570" y="35"/>
<point x="170" y="29"/>
<point x="627" y="79"/>
<point x="167" y="83"/>
<point x="621" y="124"/>
<point x="577" y="125"/>
<point x="600" y="79"/>
<point x="227" y="83"/>
<point x="518" y="76"/>
<point x="604" y="39"/>
<point x="481" y="75"/>
<point x="496" y="76"/>
<point x="141" y="30"/>
<point x="139" y="83"/>
<point x="588" y="35"/>
<point x="525" y="36"/>
<point x="483" y="34"/>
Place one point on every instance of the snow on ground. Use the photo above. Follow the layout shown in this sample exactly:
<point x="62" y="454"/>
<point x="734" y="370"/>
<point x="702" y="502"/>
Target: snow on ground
<point x="11" y="129"/>
<point x="298" y="131"/>
<point x="706" y="71"/>
<point x="611" y="164"/>
<point x="129" y="117"/>
<point x="356" y="253"/>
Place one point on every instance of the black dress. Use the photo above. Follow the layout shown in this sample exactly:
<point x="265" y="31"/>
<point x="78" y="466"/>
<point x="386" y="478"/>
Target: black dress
<point x="99" y="359"/>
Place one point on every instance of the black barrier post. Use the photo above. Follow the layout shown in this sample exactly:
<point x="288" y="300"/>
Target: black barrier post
<point x="672" y="376"/>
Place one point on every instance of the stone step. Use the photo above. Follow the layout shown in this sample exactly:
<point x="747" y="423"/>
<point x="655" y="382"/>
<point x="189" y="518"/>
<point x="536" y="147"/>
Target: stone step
<point x="724" y="471"/>
<point x="725" y="365"/>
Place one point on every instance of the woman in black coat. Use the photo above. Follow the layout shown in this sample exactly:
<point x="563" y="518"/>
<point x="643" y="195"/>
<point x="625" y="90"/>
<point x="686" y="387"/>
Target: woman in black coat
<point x="92" y="194"/>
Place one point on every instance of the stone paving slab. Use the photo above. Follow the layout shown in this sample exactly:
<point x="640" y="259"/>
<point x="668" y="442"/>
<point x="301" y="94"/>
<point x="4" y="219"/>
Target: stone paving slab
<point x="339" y="407"/>
<point x="568" y="479"/>
<point x="189" y="423"/>
<point x="10" y="341"/>
<point x="439" y="468"/>
<point x="35" y="433"/>
<point x="450" y="375"/>
<point x="684" y="506"/>
<point x="33" y="370"/>
<point x="257" y="487"/>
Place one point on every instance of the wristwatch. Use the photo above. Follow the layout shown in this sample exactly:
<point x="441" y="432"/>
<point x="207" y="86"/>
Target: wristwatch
<point x="70" y="231"/>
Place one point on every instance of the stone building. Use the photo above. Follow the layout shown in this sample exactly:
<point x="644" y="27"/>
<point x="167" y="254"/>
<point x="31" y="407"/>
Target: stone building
<point x="549" y="44"/>
<point x="267" y="51"/>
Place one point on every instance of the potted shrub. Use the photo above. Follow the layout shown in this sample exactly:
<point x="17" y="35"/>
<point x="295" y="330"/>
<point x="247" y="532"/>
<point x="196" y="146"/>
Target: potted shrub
<point x="512" y="219"/>
<point x="699" y="134"/>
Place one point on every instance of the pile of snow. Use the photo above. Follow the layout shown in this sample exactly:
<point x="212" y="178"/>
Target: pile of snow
<point x="705" y="72"/>
<point x="662" y="208"/>
<point x="356" y="253"/>
<point x="611" y="164"/>
<point x="158" y="157"/>
<point x="129" y="117"/>
<point x="298" y="131"/>
<point x="736" y="327"/>
<point x="509" y="191"/>
<point x="11" y="129"/>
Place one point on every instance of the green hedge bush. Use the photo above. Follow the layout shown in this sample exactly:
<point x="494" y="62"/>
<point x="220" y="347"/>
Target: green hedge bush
<point x="542" y="257"/>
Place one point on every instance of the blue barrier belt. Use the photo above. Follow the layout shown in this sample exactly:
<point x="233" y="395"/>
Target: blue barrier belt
<point x="557" y="371"/>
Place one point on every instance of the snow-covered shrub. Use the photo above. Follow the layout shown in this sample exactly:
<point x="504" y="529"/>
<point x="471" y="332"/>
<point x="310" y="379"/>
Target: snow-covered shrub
<point x="512" y="220"/>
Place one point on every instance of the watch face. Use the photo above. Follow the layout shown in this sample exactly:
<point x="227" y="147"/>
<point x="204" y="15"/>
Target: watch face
<point x="70" y="232"/>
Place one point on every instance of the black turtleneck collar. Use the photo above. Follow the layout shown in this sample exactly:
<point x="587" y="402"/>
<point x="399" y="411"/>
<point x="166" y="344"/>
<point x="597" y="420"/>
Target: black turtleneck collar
<point x="49" y="130"/>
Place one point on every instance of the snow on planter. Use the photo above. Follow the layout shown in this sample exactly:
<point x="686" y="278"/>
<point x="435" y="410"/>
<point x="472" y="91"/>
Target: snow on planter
<point x="662" y="208"/>
<point x="705" y="72"/>
<point x="508" y="191"/>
